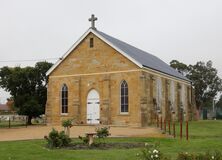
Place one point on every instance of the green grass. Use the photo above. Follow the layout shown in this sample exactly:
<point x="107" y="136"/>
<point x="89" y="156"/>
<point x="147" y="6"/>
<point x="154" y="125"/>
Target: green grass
<point x="204" y="136"/>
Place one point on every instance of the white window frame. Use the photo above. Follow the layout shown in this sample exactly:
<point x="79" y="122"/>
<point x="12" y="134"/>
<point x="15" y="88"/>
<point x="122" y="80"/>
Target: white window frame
<point x="61" y="99"/>
<point x="121" y="112"/>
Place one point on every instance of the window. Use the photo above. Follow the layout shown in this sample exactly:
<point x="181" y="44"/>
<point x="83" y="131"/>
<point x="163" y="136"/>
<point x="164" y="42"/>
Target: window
<point x="172" y="95"/>
<point x="91" y="43"/>
<point x="124" y="97"/>
<point x="183" y="96"/>
<point x="158" y="93"/>
<point x="64" y="98"/>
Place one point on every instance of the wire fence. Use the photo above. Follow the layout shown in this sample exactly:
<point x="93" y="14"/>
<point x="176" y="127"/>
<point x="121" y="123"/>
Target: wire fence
<point x="15" y="121"/>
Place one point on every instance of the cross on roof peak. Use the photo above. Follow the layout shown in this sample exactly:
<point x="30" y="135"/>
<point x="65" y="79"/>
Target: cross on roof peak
<point x="93" y="19"/>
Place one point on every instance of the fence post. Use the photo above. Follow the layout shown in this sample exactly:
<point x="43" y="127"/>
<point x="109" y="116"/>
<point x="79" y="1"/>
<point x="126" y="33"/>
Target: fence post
<point x="181" y="129"/>
<point x="157" y="121"/>
<point x="174" y="131"/>
<point x="26" y="121"/>
<point x="161" y="123"/>
<point x="164" y="125"/>
<point x="9" y="123"/>
<point x="169" y="127"/>
<point x="187" y="130"/>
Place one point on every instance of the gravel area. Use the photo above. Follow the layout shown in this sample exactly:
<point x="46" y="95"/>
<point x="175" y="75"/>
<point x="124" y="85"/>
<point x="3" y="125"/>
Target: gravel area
<point x="38" y="132"/>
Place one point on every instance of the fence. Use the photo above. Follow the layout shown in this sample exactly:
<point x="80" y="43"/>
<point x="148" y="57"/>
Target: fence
<point x="11" y="121"/>
<point x="209" y="113"/>
<point x="173" y="128"/>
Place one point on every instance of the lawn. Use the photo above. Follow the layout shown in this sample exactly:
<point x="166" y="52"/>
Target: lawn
<point x="204" y="136"/>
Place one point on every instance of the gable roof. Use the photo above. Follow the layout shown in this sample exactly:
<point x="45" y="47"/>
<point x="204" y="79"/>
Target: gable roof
<point x="4" y="107"/>
<point x="137" y="56"/>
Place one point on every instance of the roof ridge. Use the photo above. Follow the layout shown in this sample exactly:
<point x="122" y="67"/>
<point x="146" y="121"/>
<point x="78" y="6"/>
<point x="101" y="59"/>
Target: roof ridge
<point x="138" y="56"/>
<point x="147" y="60"/>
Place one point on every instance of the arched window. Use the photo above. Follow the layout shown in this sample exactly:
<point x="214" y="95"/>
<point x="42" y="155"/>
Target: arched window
<point x="124" y="99"/>
<point x="183" y="96"/>
<point x="158" y="93"/>
<point x="172" y="95"/>
<point x="64" y="99"/>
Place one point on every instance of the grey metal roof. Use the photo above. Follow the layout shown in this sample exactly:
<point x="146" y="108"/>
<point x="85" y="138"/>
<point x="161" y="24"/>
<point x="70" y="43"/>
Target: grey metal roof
<point x="146" y="59"/>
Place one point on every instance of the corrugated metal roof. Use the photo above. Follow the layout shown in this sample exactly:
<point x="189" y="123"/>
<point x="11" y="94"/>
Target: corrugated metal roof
<point x="146" y="59"/>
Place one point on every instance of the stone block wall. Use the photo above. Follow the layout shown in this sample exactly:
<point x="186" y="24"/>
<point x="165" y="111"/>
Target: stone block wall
<point x="102" y="68"/>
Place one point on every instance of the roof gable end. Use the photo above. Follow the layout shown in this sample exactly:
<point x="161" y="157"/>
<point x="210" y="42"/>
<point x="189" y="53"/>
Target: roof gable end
<point x="80" y="40"/>
<point x="135" y="55"/>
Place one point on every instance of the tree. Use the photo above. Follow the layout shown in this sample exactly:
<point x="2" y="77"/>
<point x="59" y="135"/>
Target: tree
<point x="206" y="82"/>
<point x="27" y="87"/>
<point x="204" y="79"/>
<point x="180" y="67"/>
<point x="219" y="103"/>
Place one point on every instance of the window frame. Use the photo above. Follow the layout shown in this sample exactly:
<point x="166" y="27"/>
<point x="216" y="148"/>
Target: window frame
<point x="64" y="98"/>
<point x="172" y="95"/>
<point x="159" y="94"/>
<point x="124" y="96"/>
<point x="183" y="96"/>
<point x="91" y="42"/>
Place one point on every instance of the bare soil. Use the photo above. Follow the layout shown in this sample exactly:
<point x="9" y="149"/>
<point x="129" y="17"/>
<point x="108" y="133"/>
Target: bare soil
<point x="38" y="132"/>
<point x="104" y="146"/>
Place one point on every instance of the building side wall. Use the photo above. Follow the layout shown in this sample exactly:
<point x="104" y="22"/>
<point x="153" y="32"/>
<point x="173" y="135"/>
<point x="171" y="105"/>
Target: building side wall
<point x="169" y="111"/>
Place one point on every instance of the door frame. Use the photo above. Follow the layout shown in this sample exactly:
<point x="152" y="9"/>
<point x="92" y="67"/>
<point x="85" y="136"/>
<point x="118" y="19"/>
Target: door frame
<point x="97" y="97"/>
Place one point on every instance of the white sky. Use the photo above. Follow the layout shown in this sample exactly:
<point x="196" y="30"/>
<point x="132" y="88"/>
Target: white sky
<point x="186" y="30"/>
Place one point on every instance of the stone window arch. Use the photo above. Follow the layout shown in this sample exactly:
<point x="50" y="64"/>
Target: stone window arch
<point x="172" y="95"/>
<point x="124" y="97"/>
<point x="183" y="96"/>
<point x="158" y="93"/>
<point x="64" y="99"/>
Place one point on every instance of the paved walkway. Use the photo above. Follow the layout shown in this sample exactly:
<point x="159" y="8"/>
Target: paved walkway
<point x="38" y="132"/>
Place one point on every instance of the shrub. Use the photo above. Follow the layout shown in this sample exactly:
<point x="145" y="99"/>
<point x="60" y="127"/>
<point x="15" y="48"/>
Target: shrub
<point x="215" y="155"/>
<point x="151" y="152"/>
<point x="84" y="139"/>
<point x="67" y="124"/>
<point x="102" y="132"/>
<point x="57" y="139"/>
<point x="185" y="156"/>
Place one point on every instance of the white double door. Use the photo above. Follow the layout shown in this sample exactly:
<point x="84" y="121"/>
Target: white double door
<point x="93" y="107"/>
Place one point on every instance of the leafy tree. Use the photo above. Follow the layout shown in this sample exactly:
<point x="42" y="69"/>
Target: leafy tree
<point x="206" y="82"/>
<point x="27" y="87"/>
<point x="219" y="103"/>
<point x="180" y="67"/>
<point x="204" y="79"/>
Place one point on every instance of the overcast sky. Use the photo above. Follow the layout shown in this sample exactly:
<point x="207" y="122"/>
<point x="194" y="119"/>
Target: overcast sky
<point x="186" y="30"/>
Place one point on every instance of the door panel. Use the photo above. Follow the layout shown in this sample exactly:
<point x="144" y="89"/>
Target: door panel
<point x="93" y="107"/>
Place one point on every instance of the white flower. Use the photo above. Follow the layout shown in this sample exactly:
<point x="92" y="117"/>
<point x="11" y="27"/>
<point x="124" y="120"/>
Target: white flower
<point x="156" y="155"/>
<point x="146" y="144"/>
<point x="155" y="151"/>
<point x="212" y="157"/>
<point x="152" y="156"/>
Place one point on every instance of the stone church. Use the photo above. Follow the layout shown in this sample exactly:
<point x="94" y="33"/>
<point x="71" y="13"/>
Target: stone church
<point x="103" y="80"/>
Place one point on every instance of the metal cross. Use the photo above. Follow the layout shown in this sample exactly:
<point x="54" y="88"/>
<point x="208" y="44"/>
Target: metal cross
<point x="93" y="19"/>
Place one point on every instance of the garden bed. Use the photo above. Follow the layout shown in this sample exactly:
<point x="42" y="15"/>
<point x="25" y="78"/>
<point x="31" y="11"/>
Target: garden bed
<point x="104" y="146"/>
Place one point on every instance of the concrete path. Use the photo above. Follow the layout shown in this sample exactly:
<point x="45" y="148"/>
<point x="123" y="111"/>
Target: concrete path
<point x="38" y="132"/>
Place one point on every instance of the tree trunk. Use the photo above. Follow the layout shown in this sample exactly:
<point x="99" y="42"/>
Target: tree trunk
<point x="29" y="122"/>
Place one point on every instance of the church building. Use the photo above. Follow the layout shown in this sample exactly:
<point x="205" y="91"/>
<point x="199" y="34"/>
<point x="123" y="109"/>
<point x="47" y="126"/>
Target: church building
<point x="103" y="80"/>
